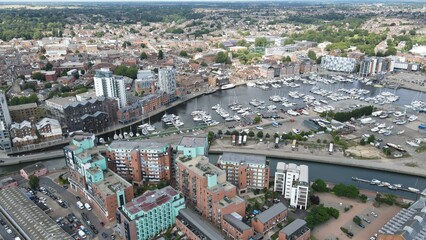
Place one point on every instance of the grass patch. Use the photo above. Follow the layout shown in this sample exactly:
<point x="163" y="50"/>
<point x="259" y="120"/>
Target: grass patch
<point x="422" y="148"/>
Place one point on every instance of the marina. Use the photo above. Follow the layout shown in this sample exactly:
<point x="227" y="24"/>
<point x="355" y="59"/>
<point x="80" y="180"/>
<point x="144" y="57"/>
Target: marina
<point x="388" y="185"/>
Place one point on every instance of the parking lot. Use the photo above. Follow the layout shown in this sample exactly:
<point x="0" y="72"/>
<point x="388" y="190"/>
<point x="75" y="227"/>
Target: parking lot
<point x="331" y="229"/>
<point x="69" y="216"/>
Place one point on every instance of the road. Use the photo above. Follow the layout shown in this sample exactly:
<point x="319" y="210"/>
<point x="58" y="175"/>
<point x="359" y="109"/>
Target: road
<point x="71" y="199"/>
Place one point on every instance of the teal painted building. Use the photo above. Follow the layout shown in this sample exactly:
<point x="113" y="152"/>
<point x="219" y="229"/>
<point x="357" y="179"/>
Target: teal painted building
<point x="193" y="146"/>
<point x="149" y="214"/>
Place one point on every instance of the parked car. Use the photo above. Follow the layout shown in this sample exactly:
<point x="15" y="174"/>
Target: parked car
<point x="374" y="214"/>
<point x="366" y="220"/>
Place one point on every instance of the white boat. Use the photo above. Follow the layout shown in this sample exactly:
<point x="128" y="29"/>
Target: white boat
<point x="251" y="84"/>
<point x="375" y="181"/>
<point x="392" y="187"/>
<point x="216" y="106"/>
<point x="296" y="131"/>
<point x="386" y="184"/>
<point x="401" y="132"/>
<point x="413" y="189"/>
<point x="236" y="117"/>
<point x="398" y="185"/>
<point x="412" y="143"/>
<point x="227" y="86"/>
<point x="412" y="118"/>
<point x="375" y="129"/>
<point x="259" y="128"/>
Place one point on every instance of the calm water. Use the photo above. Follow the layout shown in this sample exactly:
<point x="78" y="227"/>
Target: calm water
<point x="342" y="174"/>
<point x="53" y="164"/>
<point x="244" y="94"/>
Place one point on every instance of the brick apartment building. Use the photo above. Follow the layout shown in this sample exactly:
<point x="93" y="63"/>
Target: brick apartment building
<point x="140" y="161"/>
<point x="296" y="230"/>
<point x="266" y="220"/>
<point x="245" y="171"/>
<point x="204" y="187"/>
<point x="90" y="177"/>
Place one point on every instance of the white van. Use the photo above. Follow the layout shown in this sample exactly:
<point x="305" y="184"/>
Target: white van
<point x="81" y="234"/>
<point x="88" y="207"/>
<point x="80" y="205"/>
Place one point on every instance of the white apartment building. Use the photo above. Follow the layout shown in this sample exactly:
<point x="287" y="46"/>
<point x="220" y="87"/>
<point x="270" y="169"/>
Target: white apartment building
<point x="292" y="181"/>
<point x="167" y="80"/>
<point x="108" y="85"/>
<point x="5" y="121"/>
<point x="338" y="64"/>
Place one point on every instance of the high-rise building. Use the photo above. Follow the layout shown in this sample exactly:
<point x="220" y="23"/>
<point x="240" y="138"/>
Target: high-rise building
<point x="5" y="121"/>
<point x="205" y="188"/>
<point x="292" y="181"/>
<point x="149" y="214"/>
<point x="245" y="171"/>
<point x="90" y="177"/>
<point x="374" y="65"/>
<point x="338" y="64"/>
<point x="108" y="85"/>
<point x="167" y="80"/>
<point x="140" y="161"/>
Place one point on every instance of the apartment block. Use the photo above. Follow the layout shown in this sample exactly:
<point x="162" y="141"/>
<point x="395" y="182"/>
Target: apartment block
<point x="108" y="85"/>
<point x="5" y="121"/>
<point x="374" y="65"/>
<point x="205" y="188"/>
<point x="266" y="220"/>
<point x="90" y="177"/>
<point x="167" y="80"/>
<point x="193" y="146"/>
<point x="338" y="64"/>
<point x="94" y="115"/>
<point x="234" y="228"/>
<point x="296" y="230"/>
<point x="292" y="181"/>
<point x="28" y="111"/>
<point x="245" y="171"/>
<point x="140" y="161"/>
<point x="149" y="214"/>
<point x="195" y="227"/>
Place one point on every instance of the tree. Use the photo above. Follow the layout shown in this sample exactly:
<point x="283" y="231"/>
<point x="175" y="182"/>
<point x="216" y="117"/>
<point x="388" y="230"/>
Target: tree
<point x="126" y="44"/>
<point x="219" y="132"/>
<point x="37" y="75"/>
<point x="160" y="54"/>
<point x="222" y="57"/>
<point x="210" y="136"/>
<point x="315" y="200"/>
<point x="343" y="190"/>
<point x="357" y="220"/>
<point x="260" y="42"/>
<point x="199" y="49"/>
<point x="183" y="54"/>
<point x="260" y="134"/>
<point x="143" y="45"/>
<point x="48" y="67"/>
<point x="34" y="182"/>
<point x="257" y="119"/>
<point x="48" y="85"/>
<point x="267" y="135"/>
<point x="333" y="212"/>
<point x="312" y="55"/>
<point x="286" y="59"/>
<point x="204" y="64"/>
<point x="251" y="134"/>
<point x="143" y="56"/>
<point x="363" y="198"/>
<point x="319" y="186"/>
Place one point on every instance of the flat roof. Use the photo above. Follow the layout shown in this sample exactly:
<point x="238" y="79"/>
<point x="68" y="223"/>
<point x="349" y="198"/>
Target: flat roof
<point x="22" y="106"/>
<point x="150" y="200"/>
<point x="271" y="212"/>
<point x="294" y="226"/>
<point x="200" y="165"/>
<point x="243" y="158"/>
<point x="193" y="141"/>
<point x="34" y="167"/>
<point x="236" y="223"/>
<point x="112" y="183"/>
<point x="143" y="145"/>
<point x="201" y="224"/>
<point x="30" y="218"/>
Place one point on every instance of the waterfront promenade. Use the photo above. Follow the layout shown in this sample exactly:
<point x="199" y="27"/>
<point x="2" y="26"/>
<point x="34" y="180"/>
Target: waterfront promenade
<point x="344" y="161"/>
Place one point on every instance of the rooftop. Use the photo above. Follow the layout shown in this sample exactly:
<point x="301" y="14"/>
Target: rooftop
<point x="22" y="106"/>
<point x="34" y="167"/>
<point x="150" y="200"/>
<point x="30" y="218"/>
<point x="236" y="223"/>
<point x="112" y="183"/>
<point x="240" y="158"/>
<point x="294" y="227"/>
<point x="199" y="225"/>
<point x="193" y="141"/>
<point x="271" y="212"/>
<point x="143" y="145"/>
<point x="200" y="165"/>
